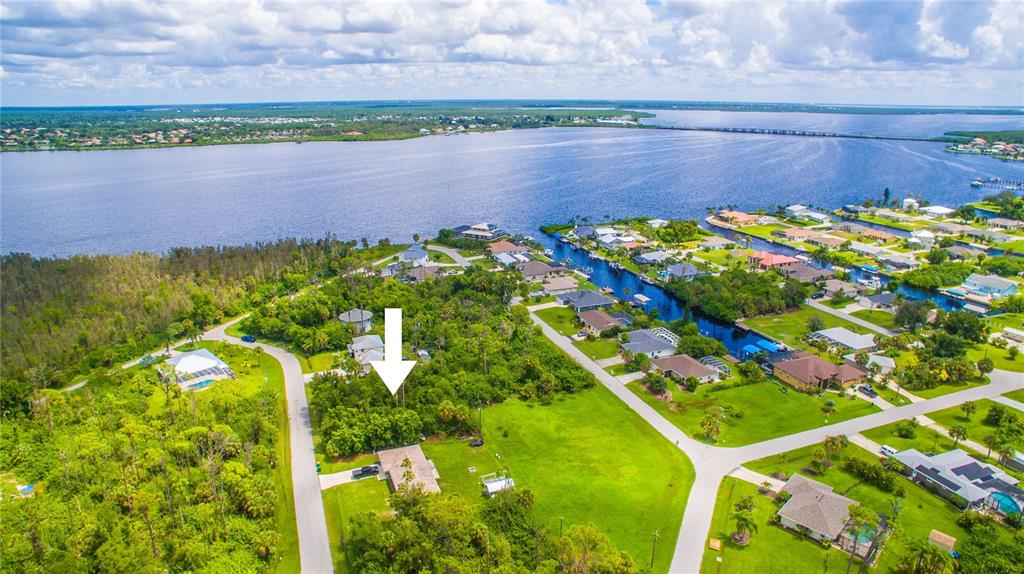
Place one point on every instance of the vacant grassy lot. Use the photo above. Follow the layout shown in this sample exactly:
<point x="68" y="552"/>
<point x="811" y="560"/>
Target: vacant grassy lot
<point x="921" y="510"/>
<point x="599" y="348"/>
<point x="1000" y="357"/>
<point x="926" y="440"/>
<point x="772" y="549"/>
<point x="725" y="257"/>
<point x="439" y="257"/>
<point x="945" y="389"/>
<point x="883" y="319"/>
<point x="976" y="429"/>
<point x="768" y="410"/>
<point x="561" y="319"/>
<point x="588" y="459"/>
<point x="347" y="501"/>
<point x="791" y="327"/>
<point x="1016" y="395"/>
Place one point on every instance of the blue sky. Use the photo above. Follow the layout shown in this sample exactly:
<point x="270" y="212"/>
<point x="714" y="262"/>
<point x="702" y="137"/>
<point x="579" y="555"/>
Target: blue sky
<point x="127" y="52"/>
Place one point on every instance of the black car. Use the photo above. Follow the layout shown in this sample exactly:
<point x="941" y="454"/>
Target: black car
<point x="248" y="339"/>
<point x="368" y="470"/>
<point x="867" y="390"/>
<point x="477" y="442"/>
<point x="818" y="295"/>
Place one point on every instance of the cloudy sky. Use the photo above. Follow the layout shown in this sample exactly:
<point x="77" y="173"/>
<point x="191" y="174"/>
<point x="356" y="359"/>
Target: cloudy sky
<point x="126" y="52"/>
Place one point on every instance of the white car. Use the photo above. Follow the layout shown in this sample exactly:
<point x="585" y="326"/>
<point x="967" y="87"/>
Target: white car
<point x="888" y="450"/>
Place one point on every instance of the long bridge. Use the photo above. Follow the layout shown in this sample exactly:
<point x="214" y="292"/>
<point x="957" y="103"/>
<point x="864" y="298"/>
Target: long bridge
<point x="785" y="132"/>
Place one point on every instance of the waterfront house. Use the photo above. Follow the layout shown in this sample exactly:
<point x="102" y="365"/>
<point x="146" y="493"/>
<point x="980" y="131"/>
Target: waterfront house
<point x="737" y="218"/>
<point x="815" y="511"/>
<point x="910" y="204"/>
<point x="865" y="249"/>
<point x="891" y="215"/>
<point x="765" y="260"/>
<point x="1004" y="223"/>
<point x="366" y="349"/>
<point x="850" y="227"/>
<point x="922" y="237"/>
<point x="795" y="210"/>
<point x="657" y="342"/>
<point x="834" y="287"/>
<point x="844" y="339"/>
<point x="885" y="301"/>
<point x="682" y="367"/>
<point x="937" y="210"/>
<point x="358" y="318"/>
<point x="809" y="372"/>
<point x="585" y="300"/>
<point x="195" y="369"/>
<point x="963" y="480"/>
<point x="559" y="285"/>
<point x="415" y="255"/>
<point x="877" y="235"/>
<point x="962" y="252"/>
<point x="653" y="257"/>
<point x="584" y="231"/>
<point x="657" y="223"/>
<point x="417" y="472"/>
<point x="507" y="247"/>
<point x="948" y="228"/>
<point x="481" y="231"/>
<point x="802" y="212"/>
<point x="992" y="285"/>
<point x="535" y="270"/>
<point x="507" y="259"/>
<point x="714" y="242"/>
<point x="795" y="233"/>
<point x="885" y="364"/>
<point x="598" y="321"/>
<point x="806" y="273"/>
<point x="685" y="271"/>
<point x="857" y="209"/>
<point x="825" y="241"/>
<point x="989" y="235"/>
<point x="898" y="262"/>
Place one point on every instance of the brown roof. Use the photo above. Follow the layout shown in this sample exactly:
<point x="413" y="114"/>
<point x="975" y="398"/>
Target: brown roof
<point x="598" y="320"/>
<point x="798" y="232"/>
<point x="815" y="506"/>
<point x="534" y="269"/>
<point x="805" y="272"/>
<point x="422" y="471"/>
<point x="560" y="283"/>
<point x="683" y="366"/>
<point x="877" y="234"/>
<point x="425" y="272"/>
<point x="505" y="247"/>
<point x="813" y="370"/>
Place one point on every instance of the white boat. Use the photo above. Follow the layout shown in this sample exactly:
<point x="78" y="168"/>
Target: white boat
<point x="641" y="299"/>
<point x="548" y="253"/>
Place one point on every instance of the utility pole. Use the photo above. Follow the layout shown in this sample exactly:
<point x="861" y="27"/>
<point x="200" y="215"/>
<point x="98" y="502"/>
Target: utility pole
<point x="654" y="544"/>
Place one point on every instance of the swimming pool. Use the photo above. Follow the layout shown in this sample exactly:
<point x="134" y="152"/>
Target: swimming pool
<point x="1007" y="505"/>
<point x="200" y="385"/>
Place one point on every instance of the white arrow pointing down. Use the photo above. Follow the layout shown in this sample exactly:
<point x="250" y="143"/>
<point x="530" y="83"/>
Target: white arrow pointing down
<point x="393" y="370"/>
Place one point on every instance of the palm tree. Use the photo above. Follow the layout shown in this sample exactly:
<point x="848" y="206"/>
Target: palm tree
<point x="968" y="408"/>
<point x="860" y="517"/>
<point x="745" y="526"/>
<point x="834" y="444"/>
<point x="927" y="558"/>
<point x="957" y="433"/>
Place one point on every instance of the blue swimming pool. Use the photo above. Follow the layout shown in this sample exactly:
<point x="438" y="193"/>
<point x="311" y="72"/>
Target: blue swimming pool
<point x="200" y="385"/>
<point x="1007" y="505"/>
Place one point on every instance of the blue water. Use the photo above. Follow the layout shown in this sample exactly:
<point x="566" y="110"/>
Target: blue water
<point x="1007" y="505"/>
<point x="61" y="203"/>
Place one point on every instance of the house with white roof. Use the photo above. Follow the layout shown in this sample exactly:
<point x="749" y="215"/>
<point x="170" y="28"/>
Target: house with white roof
<point x="366" y="349"/>
<point x="360" y="319"/>
<point x="963" y="480"/>
<point x="991" y="285"/>
<point x="195" y="369"/>
<point x="843" y="338"/>
<point x="415" y="254"/>
<point x="653" y="257"/>
<point x="937" y="210"/>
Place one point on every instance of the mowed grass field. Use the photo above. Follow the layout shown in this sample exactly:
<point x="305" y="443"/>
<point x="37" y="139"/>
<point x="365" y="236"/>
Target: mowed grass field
<point x="588" y="459"/>
<point x="791" y="327"/>
<point x="768" y="412"/>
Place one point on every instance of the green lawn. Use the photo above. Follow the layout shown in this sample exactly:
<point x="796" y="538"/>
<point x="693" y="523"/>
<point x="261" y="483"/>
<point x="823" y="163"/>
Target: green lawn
<point x="346" y="501"/>
<point x="976" y="429"/>
<point x="791" y="327"/>
<point x="725" y="257"/>
<point x="883" y="319"/>
<point x="439" y="257"/>
<point x="599" y="348"/>
<point x="922" y="511"/>
<point x="562" y="319"/>
<point x="945" y="389"/>
<point x="764" y="231"/>
<point x="617" y="370"/>
<point x="1000" y="357"/>
<point x="235" y="330"/>
<point x="1016" y="395"/>
<point x="768" y="412"/>
<point x="588" y="459"/>
<point x="998" y="322"/>
<point x="1017" y="245"/>
<point x="926" y="440"/>
<point x="319" y="362"/>
<point x="771" y="548"/>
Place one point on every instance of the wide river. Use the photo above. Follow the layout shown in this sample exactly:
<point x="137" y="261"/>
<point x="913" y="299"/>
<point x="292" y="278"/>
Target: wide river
<point x="61" y="203"/>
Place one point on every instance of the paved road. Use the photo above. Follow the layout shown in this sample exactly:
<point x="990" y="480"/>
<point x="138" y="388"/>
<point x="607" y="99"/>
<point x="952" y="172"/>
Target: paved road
<point x="314" y="544"/>
<point x="714" y="463"/>
<point x="453" y="253"/>
<point x="1009" y="402"/>
<point x="855" y="320"/>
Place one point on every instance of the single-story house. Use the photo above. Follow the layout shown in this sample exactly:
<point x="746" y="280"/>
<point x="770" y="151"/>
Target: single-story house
<point x="366" y="349"/>
<point x="507" y="247"/>
<point x="684" y="366"/>
<point x="814" y="509"/>
<point x="891" y="215"/>
<point x="910" y="204"/>
<point x="714" y="242"/>
<point x="684" y="270"/>
<point x="420" y="472"/>
<point x="865" y="249"/>
<point x="876" y="234"/>
<point x="737" y="218"/>
<point x="809" y="372"/>
<point x="200" y="365"/>
<point x="657" y="223"/>
<point x="989" y="235"/>
<point x="584" y="300"/>
<point x="897" y="261"/>
<point x="481" y="231"/>
<point x="807" y="273"/>
<point x="825" y="241"/>
<point x="584" y="231"/>
<point x="843" y="338"/>
<point x="795" y="233"/>
<point x="963" y="479"/>
<point x="886" y="364"/>
<point x="360" y="319"/>
<point x="850" y="227"/>
<point x="559" y="285"/>
<point x="885" y="300"/>
<point x="423" y="273"/>
<point x="937" y="210"/>
<point x="857" y="209"/>
<point x="1005" y="223"/>
<point x="990" y="285"/>
<point x="834" y="287"/>
<point x="653" y="257"/>
<point x="949" y="228"/>
<point x="765" y="260"/>
<point x="415" y="255"/>
<point x="657" y="342"/>
<point x="923" y="237"/>
<point x="598" y="321"/>
<point x="962" y="252"/>
<point x="534" y="270"/>
<point x="624" y="318"/>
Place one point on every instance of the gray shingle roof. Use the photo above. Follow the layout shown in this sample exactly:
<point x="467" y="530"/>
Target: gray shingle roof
<point x="815" y="506"/>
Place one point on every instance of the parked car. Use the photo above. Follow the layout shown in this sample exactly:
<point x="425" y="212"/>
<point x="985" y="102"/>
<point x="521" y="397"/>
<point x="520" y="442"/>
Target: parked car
<point x="368" y="470"/>
<point x="477" y="442"/>
<point x="867" y="390"/>
<point x="248" y="339"/>
<point x="818" y="295"/>
<point x="888" y="450"/>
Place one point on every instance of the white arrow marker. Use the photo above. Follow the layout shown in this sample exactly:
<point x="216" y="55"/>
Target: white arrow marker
<point x="393" y="370"/>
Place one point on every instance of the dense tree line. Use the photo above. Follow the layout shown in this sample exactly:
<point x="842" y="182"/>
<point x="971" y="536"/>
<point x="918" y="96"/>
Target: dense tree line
<point x="445" y="533"/>
<point x="935" y="276"/>
<point x="739" y="293"/>
<point x="1010" y="205"/>
<point x="481" y="350"/>
<point x="67" y="316"/>
<point x="134" y="476"/>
